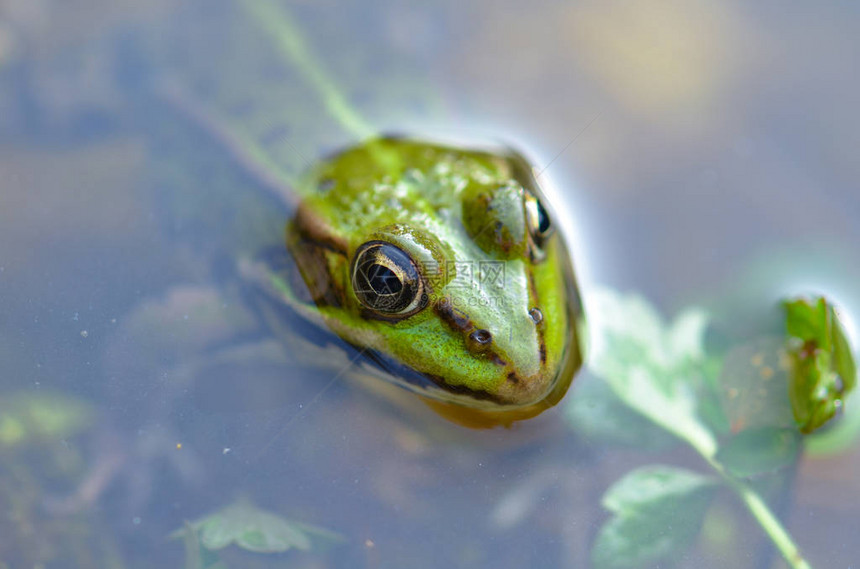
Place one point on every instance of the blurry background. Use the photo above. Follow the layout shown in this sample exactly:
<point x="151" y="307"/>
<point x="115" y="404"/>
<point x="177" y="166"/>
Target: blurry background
<point x="705" y="153"/>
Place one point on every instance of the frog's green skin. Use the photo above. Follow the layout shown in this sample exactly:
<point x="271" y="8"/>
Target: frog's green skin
<point x="466" y="218"/>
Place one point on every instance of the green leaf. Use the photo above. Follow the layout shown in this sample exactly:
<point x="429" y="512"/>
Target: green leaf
<point x="823" y="367"/>
<point x="839" y="437"/>
<point x="595" y="412"/>
<point x="257" y="530"/>
<point x="843" y="358"/>
<point x="651" y="367"/>
<point x="658" y="511"/>
<point x="807" y="320"/>
<point x="753" y="383"/>
<point x="648" y="487"/>
<point x="27" y="417"/>
<point x="758" y="451"/>
<point x="197" y="556"/>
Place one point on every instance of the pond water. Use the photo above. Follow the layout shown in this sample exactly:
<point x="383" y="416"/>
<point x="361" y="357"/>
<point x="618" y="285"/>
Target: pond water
<point x="702" y="153"/>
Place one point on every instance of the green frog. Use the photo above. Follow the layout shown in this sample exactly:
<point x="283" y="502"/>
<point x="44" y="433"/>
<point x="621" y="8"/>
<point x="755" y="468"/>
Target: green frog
<point x="444" y="265"/>
<point x="440" y="263"/>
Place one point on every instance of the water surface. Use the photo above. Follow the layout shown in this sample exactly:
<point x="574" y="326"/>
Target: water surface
<point x="704" y="153"/>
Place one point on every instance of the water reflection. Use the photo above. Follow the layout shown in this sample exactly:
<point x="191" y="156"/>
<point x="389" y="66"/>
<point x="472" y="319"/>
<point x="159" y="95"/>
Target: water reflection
<point x="717" y="172"/>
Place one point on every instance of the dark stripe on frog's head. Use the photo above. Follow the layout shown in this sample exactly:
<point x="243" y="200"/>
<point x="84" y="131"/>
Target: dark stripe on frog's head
<point x="408" y="378"/>
<point x="536" y="304"/>
<point x="311" y="242"/>
<point x="460" y="322"/>
<point x="454" y="317"/>
<point x="311" y="227"/>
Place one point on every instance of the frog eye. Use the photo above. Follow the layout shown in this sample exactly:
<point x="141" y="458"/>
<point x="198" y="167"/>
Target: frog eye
<point x="386" y="280"/>
<point x="537" y="218"/>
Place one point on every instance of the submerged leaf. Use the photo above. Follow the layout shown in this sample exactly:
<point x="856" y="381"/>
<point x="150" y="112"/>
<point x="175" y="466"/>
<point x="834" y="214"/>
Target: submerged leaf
<point x="27" y="417"/>
<point x="650" y="486"/>
<point x="823" y="367"/>
<point x="760" y="451"/>
<point x="197" y="556"/>
<point x="595" y="412"/>
<point x="254" y="529"/>
<point x="651" y="367"/>
<point x="658" y="511"/>
<point x="752" y="385"/>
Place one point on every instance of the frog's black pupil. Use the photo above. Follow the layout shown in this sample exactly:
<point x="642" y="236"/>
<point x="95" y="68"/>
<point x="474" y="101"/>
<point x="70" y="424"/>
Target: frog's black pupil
<point x="543" y="218"/>
<point x="383" y="280"/>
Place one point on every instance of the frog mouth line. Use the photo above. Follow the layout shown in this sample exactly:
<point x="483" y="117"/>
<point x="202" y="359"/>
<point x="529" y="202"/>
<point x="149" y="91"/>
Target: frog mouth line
<point x="426" y="384"/>
<point x="402" y="375"/>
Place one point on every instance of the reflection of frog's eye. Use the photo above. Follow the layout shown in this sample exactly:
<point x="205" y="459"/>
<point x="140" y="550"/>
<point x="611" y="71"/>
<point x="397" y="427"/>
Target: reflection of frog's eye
<point x="537" y="219"/>
<point x="386" y="281"/>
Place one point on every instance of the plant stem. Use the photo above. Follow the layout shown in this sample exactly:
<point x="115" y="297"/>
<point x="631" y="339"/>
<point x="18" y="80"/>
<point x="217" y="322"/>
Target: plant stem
<point x="288" y="39"/>
<point x="287" y="35"/>
<point x="764" y="516"/>
<point x="683" y="425"/>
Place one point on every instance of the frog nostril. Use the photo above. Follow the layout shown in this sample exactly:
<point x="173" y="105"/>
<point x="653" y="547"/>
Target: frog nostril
<point x="536" y="314"/>
<point x="480" y="340"/>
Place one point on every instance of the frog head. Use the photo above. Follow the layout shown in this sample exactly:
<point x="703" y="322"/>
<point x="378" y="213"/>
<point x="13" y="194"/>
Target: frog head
<point x="443" y="265"/>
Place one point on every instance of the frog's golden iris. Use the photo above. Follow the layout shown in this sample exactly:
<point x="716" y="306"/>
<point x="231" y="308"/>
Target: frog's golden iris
<point x="443" y="263"/>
